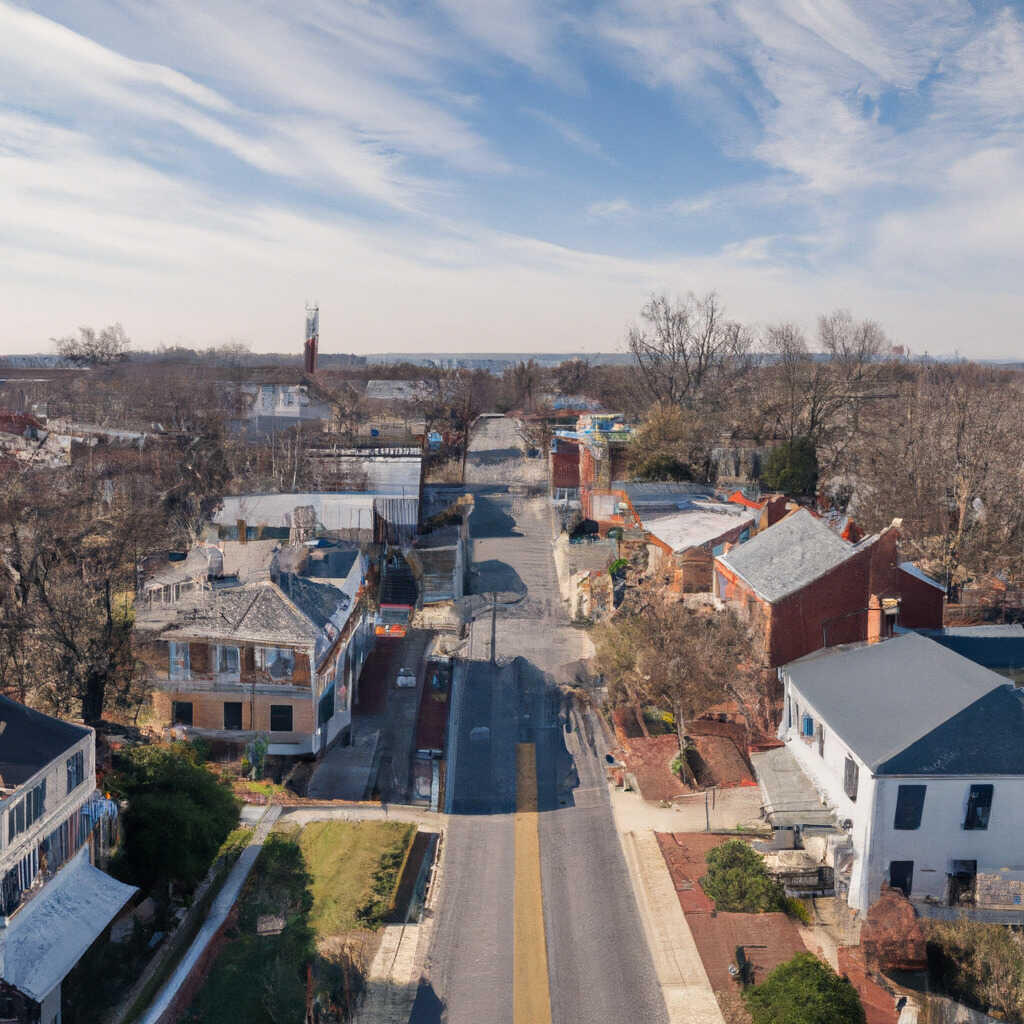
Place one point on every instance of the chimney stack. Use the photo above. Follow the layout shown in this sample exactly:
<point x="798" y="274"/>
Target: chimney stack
<point x="312" y="337"/>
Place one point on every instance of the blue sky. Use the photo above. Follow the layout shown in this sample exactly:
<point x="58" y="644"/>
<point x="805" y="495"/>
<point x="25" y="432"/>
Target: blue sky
<point x="510" y="175"/>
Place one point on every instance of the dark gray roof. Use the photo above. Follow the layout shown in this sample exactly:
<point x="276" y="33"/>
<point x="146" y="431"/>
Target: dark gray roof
<point x="983" y="739"/>
<point x="787" y="556"/>
<point x="994" y="646"/>
<point x="31" y="740"/>
<point x="881" y="699"/>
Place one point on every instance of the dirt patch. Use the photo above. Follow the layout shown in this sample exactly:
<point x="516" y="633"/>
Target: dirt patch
<point x="767" y="940"/>
<point x="649" y="759"/>
<point x="879" y="1005"/>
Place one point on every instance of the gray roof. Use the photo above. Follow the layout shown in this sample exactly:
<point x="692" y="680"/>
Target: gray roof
<point x="787" y="556"/>
<point x="881" y="699"/>
<point x="254" y="612"/>
<point x="31" y="740"/>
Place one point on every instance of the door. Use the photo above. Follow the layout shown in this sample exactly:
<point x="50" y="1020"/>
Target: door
<point x="901" y="875"/>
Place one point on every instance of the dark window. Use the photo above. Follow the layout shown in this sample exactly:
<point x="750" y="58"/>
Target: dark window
<point x="901" y="875"/>
<point x="789" y="712"/>
<point x="76" y="770"/>
<point x="807" y="726"/>
<point x="181" y="711"/>
<point x="326" y="708"/>
<point x="745" y="536"/>
<point x="979" y="804"/>
<point x="909" y="807"/>
<point x="232" y="714"/>
<point x="851" y="775"/>
<point x="821" y="740"/>
<point x="280" y="718"/>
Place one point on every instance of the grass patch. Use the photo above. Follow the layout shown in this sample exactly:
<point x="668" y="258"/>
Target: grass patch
<point x="347" y="863"/>
<point x="317" y="879"/>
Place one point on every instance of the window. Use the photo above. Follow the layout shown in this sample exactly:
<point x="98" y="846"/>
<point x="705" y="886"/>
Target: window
<point x="789" y="712"/>
<point x="979" y="804"/>
<point x="280" y="718"/>
<point x="179" y="667"/>
<point x="76" y="770"/>
<point x="227" y="660"/>
<point x="821" y="740"/>
<point x="807" y="726"/>
<point x="851" y="775"/>
<point x="719" y="549"/>
<point x="232" y="714"/>
<point x="745" y="535"/>
<point x="277" y="662"/>
<point x="181" y="712"/>
<point x="909" y="807"/>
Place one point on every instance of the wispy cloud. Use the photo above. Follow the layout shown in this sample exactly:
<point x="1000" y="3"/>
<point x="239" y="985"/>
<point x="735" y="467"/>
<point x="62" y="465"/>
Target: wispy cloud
<point x="610" y="209"/>
<point x="568" y="132"/>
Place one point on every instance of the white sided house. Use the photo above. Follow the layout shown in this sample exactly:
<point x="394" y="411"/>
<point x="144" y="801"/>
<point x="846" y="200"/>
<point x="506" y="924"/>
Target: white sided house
<point x="54" y="903"/>
<point x="919" y="754"/>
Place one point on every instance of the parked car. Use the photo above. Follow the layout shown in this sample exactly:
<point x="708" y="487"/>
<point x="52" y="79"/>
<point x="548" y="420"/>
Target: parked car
<point x="406" y="678"/>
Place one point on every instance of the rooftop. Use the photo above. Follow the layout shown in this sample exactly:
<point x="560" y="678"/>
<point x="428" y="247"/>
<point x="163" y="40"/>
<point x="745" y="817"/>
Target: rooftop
<point x="698" y="522"/>
<point x="911" y="705"/>
<point x="257" y="612"/>
<point x="60" y="923"/>
<point x="789" y="796"/>
<point x="30" y="740"/>
<point x="787" y="556"/>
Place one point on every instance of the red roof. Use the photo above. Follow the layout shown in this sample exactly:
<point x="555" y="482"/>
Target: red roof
<point x="739" y="498"/>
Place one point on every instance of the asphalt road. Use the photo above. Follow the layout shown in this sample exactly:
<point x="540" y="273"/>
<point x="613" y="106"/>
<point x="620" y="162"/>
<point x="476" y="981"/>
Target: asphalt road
<point x="598" y="965"/>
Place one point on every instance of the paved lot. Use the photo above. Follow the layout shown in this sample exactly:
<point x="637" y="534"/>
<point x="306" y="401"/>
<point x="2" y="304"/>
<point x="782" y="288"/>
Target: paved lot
<point x="598" y="963"/>
<point x="383" y="729"/>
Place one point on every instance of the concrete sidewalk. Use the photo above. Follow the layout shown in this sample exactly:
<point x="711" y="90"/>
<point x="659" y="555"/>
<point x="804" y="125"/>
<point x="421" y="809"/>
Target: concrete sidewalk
<point x="219" y="911"/>
<point x="689" y="997"/>
<point x="344" y="771"/>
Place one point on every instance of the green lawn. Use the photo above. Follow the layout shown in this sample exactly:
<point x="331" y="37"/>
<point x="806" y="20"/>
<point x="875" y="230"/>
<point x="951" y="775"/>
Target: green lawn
<point x="317" y="879"/>
<point x="342" y="857"/>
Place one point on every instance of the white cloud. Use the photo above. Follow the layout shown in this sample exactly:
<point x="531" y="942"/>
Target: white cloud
<point x="610" y="209"/>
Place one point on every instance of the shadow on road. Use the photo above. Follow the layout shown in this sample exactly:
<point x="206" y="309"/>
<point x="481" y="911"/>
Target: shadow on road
<point x="497" y="577"/>
<point x="502" y="706"/>
<point x="490" y="520"/>
<point x="428" y="1008"/>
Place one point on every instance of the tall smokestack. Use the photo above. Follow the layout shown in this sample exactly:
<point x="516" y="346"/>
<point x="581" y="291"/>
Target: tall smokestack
<point x="312" y="336"/>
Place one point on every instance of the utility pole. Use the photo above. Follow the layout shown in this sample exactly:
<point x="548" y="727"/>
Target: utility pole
<point x="494" y="626"/>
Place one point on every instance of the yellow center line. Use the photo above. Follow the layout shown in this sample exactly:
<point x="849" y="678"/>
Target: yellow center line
<point x="531" y="994"/>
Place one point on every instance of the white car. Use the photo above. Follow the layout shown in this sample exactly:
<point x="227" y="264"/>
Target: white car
<point x="406" y="677"/>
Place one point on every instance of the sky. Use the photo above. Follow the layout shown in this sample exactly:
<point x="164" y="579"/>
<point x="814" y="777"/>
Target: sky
<point x="508" y="175"/>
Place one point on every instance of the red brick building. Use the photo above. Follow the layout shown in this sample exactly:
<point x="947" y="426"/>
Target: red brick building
<point x="813" y="589"/>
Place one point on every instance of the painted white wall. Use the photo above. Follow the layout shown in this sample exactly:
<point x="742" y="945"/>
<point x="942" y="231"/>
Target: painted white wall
<point x="59" y="802"/>
<point x="941" y="837"/>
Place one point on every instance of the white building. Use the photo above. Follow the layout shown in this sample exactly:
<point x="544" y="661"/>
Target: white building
<point x="918" y="752"/>
<point x="53" y="902"/>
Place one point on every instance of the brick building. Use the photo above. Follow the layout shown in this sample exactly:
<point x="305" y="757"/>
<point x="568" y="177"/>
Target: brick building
<point x="813" y="589"/>
<point x="279" y="655"/>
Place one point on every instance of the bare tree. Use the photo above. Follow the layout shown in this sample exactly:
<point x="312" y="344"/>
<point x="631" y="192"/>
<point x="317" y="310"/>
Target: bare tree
<point x="92" y="348"/>
<point x="688" y="352"/>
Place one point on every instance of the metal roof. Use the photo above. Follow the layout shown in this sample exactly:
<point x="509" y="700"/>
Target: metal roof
<point x="698" y="523"/>
<point x="880" y="699"/>
<point x="789" y="795"/>
<point x="59" y="924"/>
<point x="787" y="556"/>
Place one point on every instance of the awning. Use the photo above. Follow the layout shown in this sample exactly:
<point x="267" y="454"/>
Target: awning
<point x="61" y="922"/>
<point x="789" y="796"/>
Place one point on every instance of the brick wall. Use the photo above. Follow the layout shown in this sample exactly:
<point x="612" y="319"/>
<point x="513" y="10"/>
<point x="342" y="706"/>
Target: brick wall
<point x="565" y="465"/>
<point x="208" y="709"/>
